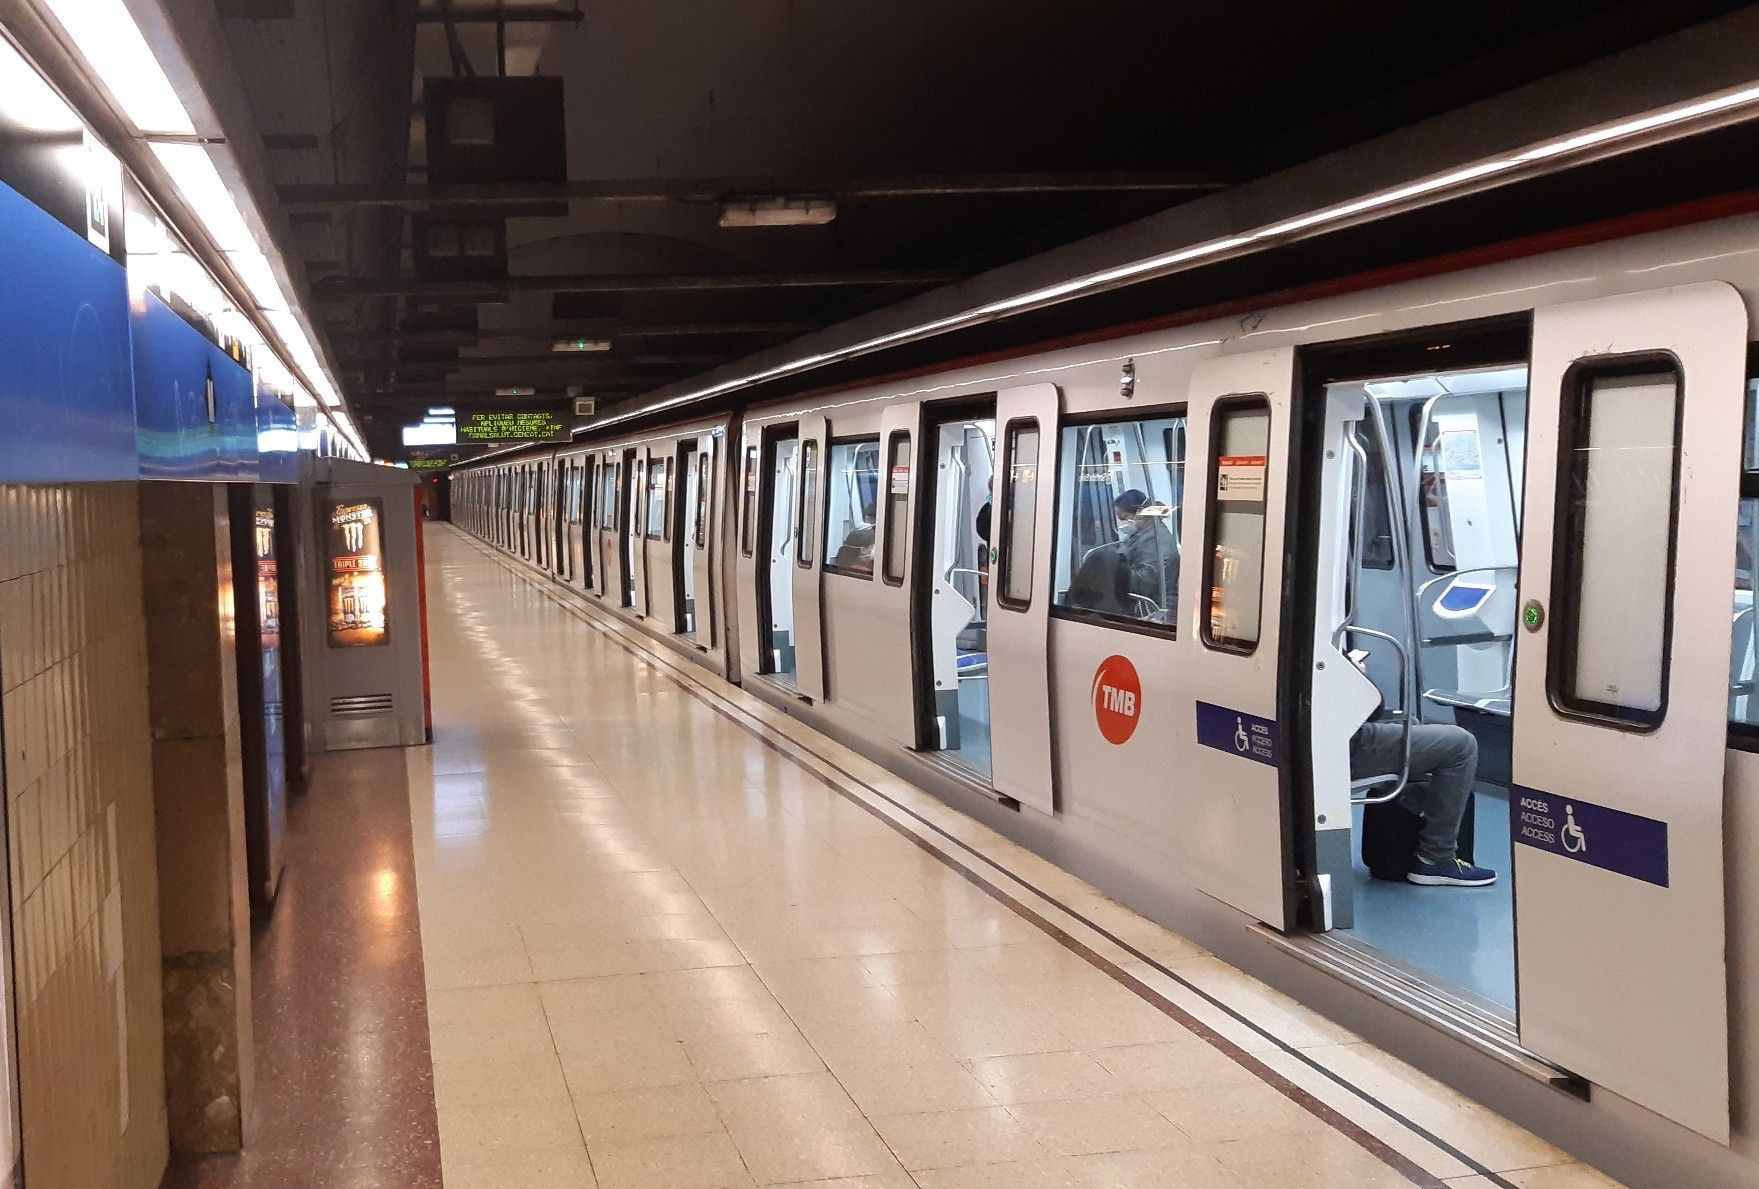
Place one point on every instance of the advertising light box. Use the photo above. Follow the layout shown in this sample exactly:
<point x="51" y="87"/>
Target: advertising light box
<point x="512" y="425"/>
<point x="357" y="573"/>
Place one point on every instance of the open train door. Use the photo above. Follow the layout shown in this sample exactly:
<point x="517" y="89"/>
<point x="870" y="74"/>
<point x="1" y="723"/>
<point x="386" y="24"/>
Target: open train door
<point x="809" y="504"/>
<point x="893" y="703"/>
<point x="1621" y="694"/>
<point x="747" y="509"/>
<point x="1020" y="595"/>
<point x="1236" y="476"/>
<point x="699" y="539"/>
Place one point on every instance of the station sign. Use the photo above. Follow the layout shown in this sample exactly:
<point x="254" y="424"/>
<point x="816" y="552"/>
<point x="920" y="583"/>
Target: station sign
<point x="512" y="425"/>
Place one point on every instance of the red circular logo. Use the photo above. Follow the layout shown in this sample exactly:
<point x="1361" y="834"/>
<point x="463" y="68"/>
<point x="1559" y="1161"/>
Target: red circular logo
<point x="1117" y="699"/>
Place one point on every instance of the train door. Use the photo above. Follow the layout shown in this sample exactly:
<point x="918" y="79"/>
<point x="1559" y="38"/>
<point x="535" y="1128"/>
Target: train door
<point x="775" y="570"/>
<point x="580" y="517"/>
<point x="809" y="665"/>
<point x="690" y="541"/>
<point x="604" y="533"/>
<point x="561" y="516"/>
<point x="1419" y="446"/>
<point x="639" y="495"/>
<point x="628" y="485"/>
<point x="1238" y="425"/>
<point x="700" y="567"/>
<point x="1621" y="697"/>
<point x="896" y="704"/>
<point x="657" y="568"/>
<point x="953" y="587"/>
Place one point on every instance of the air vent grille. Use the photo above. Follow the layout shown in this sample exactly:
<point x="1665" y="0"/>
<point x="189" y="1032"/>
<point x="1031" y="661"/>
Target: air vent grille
<point x="362" y="705"/>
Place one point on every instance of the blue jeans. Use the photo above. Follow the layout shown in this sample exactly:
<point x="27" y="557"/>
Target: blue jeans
<point x="1445" y="756"/>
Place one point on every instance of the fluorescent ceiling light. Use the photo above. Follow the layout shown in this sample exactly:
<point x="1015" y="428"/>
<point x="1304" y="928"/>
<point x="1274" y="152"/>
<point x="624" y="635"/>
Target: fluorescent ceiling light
<point x="108" y="39"/>
<point x="778" y="212"/>
<point x="1713" y="106"/>
<point x="579" y="346"/>
<point x="442" y="411"/>
<point x="516" y="390"/>
<point x="192" y="168"/>
<point x="27" y="99"/>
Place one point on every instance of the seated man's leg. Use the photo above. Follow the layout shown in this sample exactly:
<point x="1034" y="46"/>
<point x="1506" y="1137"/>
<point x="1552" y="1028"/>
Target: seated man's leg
<point x="1448" y="756"/>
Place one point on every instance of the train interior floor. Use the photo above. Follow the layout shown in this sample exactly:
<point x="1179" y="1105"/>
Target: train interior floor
<point x="1462" y="937"/>
<point x="673" y="938"/>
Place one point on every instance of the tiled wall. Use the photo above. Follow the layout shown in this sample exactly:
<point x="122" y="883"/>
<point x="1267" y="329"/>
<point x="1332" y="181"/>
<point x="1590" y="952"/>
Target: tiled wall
<point x="78" y="783"/>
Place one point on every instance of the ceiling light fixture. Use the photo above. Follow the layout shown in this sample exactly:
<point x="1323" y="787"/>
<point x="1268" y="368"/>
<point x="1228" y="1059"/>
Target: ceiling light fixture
<point x="1712" y="108"/>
<point x="580" y="346"/>
<point x="516" y="390"/>
<point x="796" y="211"/>
<point x="111" y="42"/>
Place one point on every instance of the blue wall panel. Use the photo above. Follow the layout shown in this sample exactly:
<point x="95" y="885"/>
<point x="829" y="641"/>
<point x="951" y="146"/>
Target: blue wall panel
<point x="66" y="397"/>
<point x="174" y="364"/>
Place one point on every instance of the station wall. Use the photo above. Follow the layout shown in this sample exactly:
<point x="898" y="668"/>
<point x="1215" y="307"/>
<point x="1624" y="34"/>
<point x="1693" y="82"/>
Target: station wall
<point x="84" y="909"/>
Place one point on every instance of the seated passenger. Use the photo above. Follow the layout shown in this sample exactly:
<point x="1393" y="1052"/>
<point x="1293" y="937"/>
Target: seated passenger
<point x="1447" y="757"/>
<point x="855" y="554"/>
<point x="1100" y="582"/>
<point x="1150" y="556"/>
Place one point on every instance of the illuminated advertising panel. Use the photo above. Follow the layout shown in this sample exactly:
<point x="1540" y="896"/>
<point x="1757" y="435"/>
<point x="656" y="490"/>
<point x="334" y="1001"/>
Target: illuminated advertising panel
<point x="357" y="573"/>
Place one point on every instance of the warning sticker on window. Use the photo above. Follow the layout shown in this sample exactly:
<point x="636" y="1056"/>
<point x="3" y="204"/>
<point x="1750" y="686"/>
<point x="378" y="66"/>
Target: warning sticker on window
<point x="1240" y="477"/>
<point x="900" y="480"/>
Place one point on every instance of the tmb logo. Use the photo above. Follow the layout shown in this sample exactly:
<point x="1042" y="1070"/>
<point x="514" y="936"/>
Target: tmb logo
<point x="1117" y="699"/>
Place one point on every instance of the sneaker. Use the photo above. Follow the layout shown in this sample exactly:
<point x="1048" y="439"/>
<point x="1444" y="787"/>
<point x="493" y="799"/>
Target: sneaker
<point x="1456" y="873"/>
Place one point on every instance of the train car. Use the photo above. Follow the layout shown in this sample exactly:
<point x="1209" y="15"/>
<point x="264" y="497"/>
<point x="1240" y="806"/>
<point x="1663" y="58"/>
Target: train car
<point x="1501" y="512"/>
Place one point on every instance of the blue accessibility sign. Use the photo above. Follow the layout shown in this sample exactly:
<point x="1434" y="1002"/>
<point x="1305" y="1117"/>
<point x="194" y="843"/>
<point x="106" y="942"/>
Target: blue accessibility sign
<point x="1237" y="732"/>
<point x="1611" y="839"/>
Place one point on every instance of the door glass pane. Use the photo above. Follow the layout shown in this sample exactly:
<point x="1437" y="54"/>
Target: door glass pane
<point x="808" y="523"/>
<point x="854" y="494"/>
<point x="1020" y="514"/>
<point x="1743" y="672"/>
<point x="656" y="498"/>
<point x="748" y="539"/>
<point x="702" y="488"/>
<point x="1616" y="532"/>
<point x="1234" y="569"/>
<point x="897" y="507"/>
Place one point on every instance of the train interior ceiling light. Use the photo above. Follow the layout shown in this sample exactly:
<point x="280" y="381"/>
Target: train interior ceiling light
<point x="1678" y="118"/>
<point x="778" y="212"/>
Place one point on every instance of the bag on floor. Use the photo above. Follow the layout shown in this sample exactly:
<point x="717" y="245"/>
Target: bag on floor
<point x="1389" y="834"/>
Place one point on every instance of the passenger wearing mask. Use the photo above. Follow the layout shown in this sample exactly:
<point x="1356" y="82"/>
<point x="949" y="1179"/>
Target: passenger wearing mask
<point x="1148" y="556"/>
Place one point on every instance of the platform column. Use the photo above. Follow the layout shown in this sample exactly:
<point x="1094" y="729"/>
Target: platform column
<point x="204" y="903"/>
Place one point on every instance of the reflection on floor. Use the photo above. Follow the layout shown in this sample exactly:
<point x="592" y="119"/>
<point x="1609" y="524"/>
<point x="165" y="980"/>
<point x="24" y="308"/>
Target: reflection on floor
<point x="1462" y="936"/>
<point x="973" y="749"/>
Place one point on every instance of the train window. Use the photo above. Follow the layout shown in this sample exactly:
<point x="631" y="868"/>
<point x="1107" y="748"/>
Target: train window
<point x="1618" y="480"/>
<point x="607" y="495"/>
<point x="1019" y="513"/>
<point x="1233" y="564"/>
<point x="748" y="498"/>
<point x="897" y="506"/>
<point x="702" y="495"/>
<point x="854" y="496"/>
<point x="1120" y="504"/>
<point x="1743" y="673"/>
<point x="658" y="471"/>
<point x="806" y="516"/>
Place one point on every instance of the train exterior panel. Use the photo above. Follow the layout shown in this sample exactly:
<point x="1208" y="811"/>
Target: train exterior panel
<point x="1145" y="603"/>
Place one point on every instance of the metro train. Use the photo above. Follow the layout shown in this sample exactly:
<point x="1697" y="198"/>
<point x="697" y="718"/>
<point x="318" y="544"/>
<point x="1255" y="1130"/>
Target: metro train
<point x="1516" y="497"/>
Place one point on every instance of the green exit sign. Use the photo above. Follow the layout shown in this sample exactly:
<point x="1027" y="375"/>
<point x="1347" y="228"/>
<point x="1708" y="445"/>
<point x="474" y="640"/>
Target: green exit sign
<point x="512" y="425"/>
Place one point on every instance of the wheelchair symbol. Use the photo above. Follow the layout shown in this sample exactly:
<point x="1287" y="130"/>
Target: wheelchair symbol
<point x="1241" y="742"/>
<point x="1575" y="841"/>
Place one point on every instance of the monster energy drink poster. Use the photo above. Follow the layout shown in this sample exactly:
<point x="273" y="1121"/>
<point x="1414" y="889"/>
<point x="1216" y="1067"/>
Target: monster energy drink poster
<point x="357" y="574"/>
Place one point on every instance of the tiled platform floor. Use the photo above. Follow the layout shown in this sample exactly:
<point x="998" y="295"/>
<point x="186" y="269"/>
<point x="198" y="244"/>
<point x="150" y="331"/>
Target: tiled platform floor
<point x="662" y="950"/>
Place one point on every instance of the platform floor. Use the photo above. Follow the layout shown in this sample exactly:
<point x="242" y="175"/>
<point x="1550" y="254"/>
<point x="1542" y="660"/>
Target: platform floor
<point x="673" y="939"/>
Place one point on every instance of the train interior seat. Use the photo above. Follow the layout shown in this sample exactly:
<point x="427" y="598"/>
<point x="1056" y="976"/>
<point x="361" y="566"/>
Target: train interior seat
<point x="1429" y="610"/>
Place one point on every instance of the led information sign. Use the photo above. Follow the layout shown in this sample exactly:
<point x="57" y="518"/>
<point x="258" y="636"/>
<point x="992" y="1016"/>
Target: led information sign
<point x="429" y="464"/>
<point x="357" y="573"/>
<point x="512" y="425"/>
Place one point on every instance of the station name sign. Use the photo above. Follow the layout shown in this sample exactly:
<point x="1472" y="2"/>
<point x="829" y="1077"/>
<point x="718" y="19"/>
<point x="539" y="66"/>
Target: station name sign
<point x="512" y="425"/>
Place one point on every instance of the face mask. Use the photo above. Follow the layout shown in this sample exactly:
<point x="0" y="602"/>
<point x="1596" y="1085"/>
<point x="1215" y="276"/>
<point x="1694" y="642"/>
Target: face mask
<point x="1126" y="527"/>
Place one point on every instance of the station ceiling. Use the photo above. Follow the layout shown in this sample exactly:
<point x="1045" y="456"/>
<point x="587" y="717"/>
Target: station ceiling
<point x="950" y="138"/>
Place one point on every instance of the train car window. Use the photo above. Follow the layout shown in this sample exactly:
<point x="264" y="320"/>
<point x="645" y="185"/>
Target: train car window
<point x="748" y="500"/>
<point x="1743" y="670"/>
<point x="1618" y="476"/>
<point x="854" y="498"/>
<point x="656" y="498"/>
<point x="806" y="516"/>
<point x="607" y="495"/>
<point x="1019" y="513"/>
<point x="897" y="506"/>
<point x="1120" y="500"/>
<point x="1233" y="564"/>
